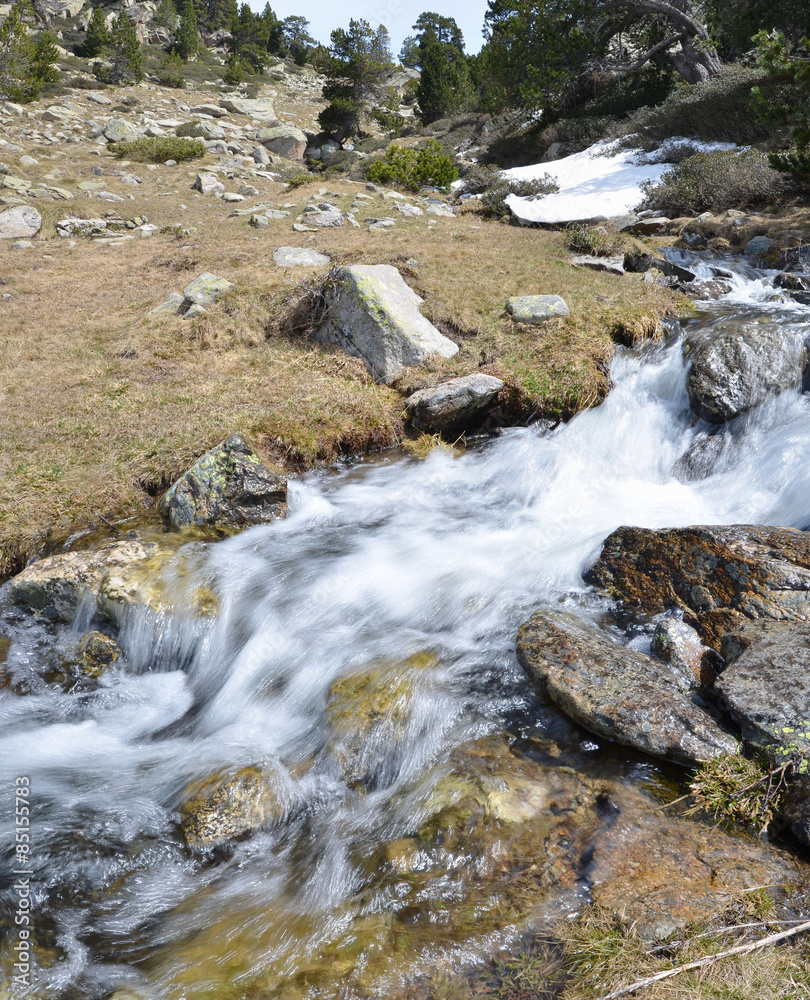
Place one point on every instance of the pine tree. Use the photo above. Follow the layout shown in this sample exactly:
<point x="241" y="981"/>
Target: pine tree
<point x="444" y="87"/>
<point x="97" y="35"/>
<point x="187" y="42"/>
<point x="17" y="53"/>
<point x="359" y="60"/>
<point x="43" y="64"/>
<point x="127" y="58"/>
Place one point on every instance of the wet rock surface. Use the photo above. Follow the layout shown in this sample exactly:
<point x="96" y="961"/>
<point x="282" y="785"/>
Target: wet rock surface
<point x="230" y="486"/>
<point x="739" y="367"/>
<point x="718" y="574"/>
<point x="617" y="692"/>
<point x="678" y="644"/>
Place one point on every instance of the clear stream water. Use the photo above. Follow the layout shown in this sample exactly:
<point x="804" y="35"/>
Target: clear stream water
<point x="377" y="562"/>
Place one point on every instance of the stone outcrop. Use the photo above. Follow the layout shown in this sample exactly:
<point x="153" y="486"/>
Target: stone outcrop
<point x="230" y="486"/>
<point x="284" y="140"/>
<point x="740" y="366"/>
<point x="453" y="405"/>
<point x="617" y="692"/>
<point x="371" y="313"/>
<point x="718" y="574"/>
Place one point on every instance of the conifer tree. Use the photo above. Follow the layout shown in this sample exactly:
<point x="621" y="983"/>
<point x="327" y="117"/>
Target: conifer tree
<point x="127" y="58"/>
<point x="444" y="87"/>
<point x="359" y="60"/>
<point x="43" y="64"/>
<point x="97" y="35"/>
<point x="17" y="53"/>
<point x="187" y="41"/>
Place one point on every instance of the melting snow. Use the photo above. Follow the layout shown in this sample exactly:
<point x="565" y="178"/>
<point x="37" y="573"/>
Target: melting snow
<point x="596" y="183"/>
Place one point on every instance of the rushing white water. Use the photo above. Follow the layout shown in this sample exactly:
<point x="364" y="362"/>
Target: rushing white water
<point x="375" y="563"/>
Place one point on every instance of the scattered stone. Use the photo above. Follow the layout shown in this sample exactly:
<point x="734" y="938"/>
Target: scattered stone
<point x="116" y="130"/>
<point x="284" y="140"/>
<point x="259" y="221"/>
<point x="299" y="257"/>
<point x="208" y="184"/>
<point x="758" y="246"/>
<point x="229" y="486"/>
<point x="412" y="211"/>
<point x="97" y="652"/>
<point x="443" y="211"/>
<point x="228" y="806"/>
<point x="325" y="220"/>
<point x="19" y="222"/>
<point x="97" y="98"/>
<point x="193" y="311"/>
<point x="298" y="228"/>
<point x="22" y="245"/>
<point x="536" y="309"/>
<point x="453" y="405"/>
<point x="28" y="161"/>
<point x="260" y="155"/>
<point x="374" y="315"/>
<point x="260" y="109"/>
<point x="648" y="227"/>
<point x="212" y="110"/>
<point x="247" y="191"/>
<point x="206" y="289"/>
<point x="740" y="365"/>
<point x="171" y="306"/>
<point x="717" y="574"/>
<point x="617" y="692"/>
<point x="231" y="197"/>
<point x="639" y="262"/>
<point x="613" y="265"/>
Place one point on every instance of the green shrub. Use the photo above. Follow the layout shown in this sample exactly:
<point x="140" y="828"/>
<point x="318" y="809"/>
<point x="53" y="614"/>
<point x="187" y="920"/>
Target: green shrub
<point x="170" y="73"/>
<point x="714" y="182"/>
<point x="493" y="201"/>
<point x="160" y="148"/>
<point x="596" y="241"/>
<point x="296" y="180"/>
<point x="430" y="166"/>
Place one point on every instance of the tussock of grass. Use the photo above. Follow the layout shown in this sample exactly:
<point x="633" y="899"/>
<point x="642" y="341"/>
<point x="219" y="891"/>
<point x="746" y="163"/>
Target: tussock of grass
<point x="159" y="148"/>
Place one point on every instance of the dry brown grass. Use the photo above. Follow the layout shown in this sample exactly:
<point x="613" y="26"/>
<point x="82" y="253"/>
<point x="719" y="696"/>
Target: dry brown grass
<point x="102" y="405"/>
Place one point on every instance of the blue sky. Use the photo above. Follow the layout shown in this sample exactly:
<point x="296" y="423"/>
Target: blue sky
<point x="396" y="15"/>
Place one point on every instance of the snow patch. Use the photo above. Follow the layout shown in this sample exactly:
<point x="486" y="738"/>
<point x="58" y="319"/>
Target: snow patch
<point x="600" y="182"/>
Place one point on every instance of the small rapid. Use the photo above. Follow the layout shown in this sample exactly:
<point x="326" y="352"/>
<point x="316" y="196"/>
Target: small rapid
<point x="414" y="570"/>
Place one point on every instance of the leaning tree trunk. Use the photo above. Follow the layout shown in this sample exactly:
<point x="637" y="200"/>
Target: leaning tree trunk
<point x="697" y="60"/>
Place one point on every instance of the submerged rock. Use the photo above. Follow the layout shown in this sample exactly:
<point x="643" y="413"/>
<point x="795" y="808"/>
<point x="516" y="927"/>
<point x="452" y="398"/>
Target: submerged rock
<point x="230" y="486"/>
<point x="719" y="574"/>
<point x="374" y="315"/>
<point x="617" y="692"/>
<point x="228" y="806"/>
<point x="536" y="309"/>
<point x="741" y="366"/>
<point x="97" y="652"/>
<point x="453" y="405"/>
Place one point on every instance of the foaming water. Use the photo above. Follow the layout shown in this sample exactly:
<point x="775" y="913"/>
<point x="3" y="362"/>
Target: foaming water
<point x="418" y="571"/>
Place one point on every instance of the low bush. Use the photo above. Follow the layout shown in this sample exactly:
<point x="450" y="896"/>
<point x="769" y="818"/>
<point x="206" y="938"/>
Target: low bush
<point x="595" y="241"/>
<point x="170" y="73"/>
<point x="430" y="166"/>
<point x="714" y="182"/>
<point x="493" y="201"/>
<point x="160" y="148"/>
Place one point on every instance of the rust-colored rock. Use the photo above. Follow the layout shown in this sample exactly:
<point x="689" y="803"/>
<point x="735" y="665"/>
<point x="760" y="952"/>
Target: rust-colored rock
<point x="718" y="574"/>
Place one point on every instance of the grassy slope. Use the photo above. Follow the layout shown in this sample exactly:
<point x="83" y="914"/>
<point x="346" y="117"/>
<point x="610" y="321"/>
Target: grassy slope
<point x="103" y="405"/>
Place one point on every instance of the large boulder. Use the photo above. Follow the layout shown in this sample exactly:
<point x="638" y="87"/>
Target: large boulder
<point x="284" y="140"/>
<point x="115" y="578"/>
<point x="617" y="692"/>
<point x="228" y="806"/>
<point x="372" y="314"/>
<point x="740" y="366"/>
<point x="258" y="108"/>
<point x="536" y="309"/>
<point x="453" y="405"/>
<point x="118" y="129"/>
<point x="18" y="222"/>
<point x="718" y="574"/>
<point x="205" y="290"/>
<point x="230" y="486"/>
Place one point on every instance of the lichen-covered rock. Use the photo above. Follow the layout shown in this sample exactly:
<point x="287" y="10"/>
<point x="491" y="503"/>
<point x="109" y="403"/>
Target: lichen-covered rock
<point x="613" y="264"/>
<point x="679" y="645"/>
<point x="718" y="574"/>
<point x="172" y="305"/>
<point x="617" y="692"/>
<point x="97" y="651"/>
<point x="206" y="289"/>
<point x="18" y="222"/>
<point x="207" y="183"/>
<point x="117" y="129"/>
<point x="453" y="405"/>
<point x="230" y="486"/>
<point x="536" y="309"/>
<point x="228" y="806"/>
<point x="113" y="579"/>
<point x="259" y="108"/>
<point x="284" y="140"/>
<point x="374" y="315"/>
<point x="740" y="366"/>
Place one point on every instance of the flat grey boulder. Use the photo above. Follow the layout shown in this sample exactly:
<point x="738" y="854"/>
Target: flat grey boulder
<point x="117" y="129"/>
<point x="299" y="257"/>
<point x="453" y="405"/>
<point x="373" y="314"/>
<point x="613" y="265"/>
<point x="617" y="692"/>
<point x="536" y="309"/>
<point x="740" y="366"/>
<point x="284" y="140"/>
<point x="258" y="108"/>
<point x="19" y="222"/>
<point x="230" y="486"/>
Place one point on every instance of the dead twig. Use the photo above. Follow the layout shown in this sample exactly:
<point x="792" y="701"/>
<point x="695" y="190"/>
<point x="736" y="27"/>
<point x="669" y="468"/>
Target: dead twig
<point x="742" y="949"/>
